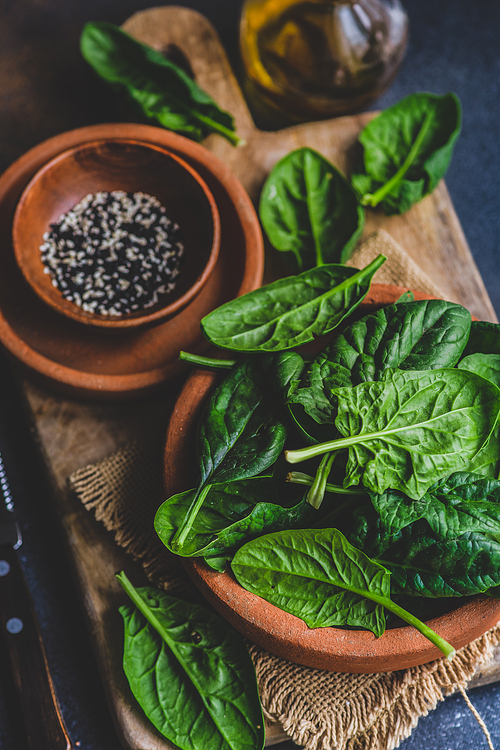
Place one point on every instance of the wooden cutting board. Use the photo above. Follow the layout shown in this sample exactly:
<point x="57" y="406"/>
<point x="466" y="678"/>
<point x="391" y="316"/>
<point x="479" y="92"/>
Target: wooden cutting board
<point x="74" y="434"/>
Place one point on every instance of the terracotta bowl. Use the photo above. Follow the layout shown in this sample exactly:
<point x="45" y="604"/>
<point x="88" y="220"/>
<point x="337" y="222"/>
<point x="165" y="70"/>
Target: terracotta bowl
<point x="283" y="634"/>
<point x="132" y="166"/>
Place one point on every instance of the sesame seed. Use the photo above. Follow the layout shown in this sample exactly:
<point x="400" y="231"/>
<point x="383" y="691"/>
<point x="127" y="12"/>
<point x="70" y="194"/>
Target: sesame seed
<point x="118" y="249"/>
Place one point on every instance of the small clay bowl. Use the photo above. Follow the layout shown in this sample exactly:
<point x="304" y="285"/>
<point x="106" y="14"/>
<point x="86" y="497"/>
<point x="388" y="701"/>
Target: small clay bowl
<point x="132" y="166"/>
<point x="333" y="649"/>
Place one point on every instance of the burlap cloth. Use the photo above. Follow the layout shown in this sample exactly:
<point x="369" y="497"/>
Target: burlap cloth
<point x="318" y="710"/>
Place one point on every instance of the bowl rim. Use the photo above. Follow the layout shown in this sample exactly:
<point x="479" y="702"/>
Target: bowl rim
<point x="331" y="649"/>
<point x="53" y="297"/>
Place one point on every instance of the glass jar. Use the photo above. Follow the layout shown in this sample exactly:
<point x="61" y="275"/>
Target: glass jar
<point x="310" y="59"/>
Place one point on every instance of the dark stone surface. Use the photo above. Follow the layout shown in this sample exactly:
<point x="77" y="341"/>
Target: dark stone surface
<point x="45" y="88"/>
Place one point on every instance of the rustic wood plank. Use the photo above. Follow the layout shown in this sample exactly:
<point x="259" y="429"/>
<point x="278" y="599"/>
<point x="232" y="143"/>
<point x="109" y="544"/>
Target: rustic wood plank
<point x="74" y="434"/>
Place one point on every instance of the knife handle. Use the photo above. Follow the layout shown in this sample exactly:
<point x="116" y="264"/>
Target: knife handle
<point x="42" y="717"/>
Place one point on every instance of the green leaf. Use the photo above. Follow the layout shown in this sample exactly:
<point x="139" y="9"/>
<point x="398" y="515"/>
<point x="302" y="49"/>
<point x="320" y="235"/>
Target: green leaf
<point x="190" y="673"/>
<point x="423" y="564"/>
<point x="231" y="513"/>
<point x="484" y="338"/>
<point x="157" y="87"/>
<point x="316" y="575"/>
<point x="290" y="311"/>
<point x="407" y="296"/>
<point x="487" y="461"/>
<point x="407" y="150"/>
<point x="410" y="429"/>
<point x="241" y="432"/>
<point x="453" y="506"/>
<point x="308" y="208"/>
<point x="423" y="335"/>
<point x="321" y="578"/>
<point x="486" y="365"/>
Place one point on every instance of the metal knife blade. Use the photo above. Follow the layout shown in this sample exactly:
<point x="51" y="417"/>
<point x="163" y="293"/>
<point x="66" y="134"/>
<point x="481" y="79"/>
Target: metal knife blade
<point x="19" y="629"/>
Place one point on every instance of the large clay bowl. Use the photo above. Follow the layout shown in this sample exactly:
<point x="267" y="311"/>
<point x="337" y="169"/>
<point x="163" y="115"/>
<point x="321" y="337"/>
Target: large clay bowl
<point x="283" y="634"/>
<point x="96" y="363"/>
<point x="133" y="167"/>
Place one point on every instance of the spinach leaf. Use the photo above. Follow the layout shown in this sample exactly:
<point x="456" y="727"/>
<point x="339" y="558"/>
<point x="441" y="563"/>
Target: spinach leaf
<point x="231" y="513"/>
<point x="407" y="150"/>
<point x="157" y="87"/>
<point x="290" y="311"/>
<point x="308" y="208"/>
<point x="484" y="338"/>
<point x="486" y="365"/>
<point x="190" y="673"/>
<point x="423" y="335"/>
<point x="423" y="564"/>
<point x="453" y="506"/>
<point x="241" y="432"/>
<point x="487" y="461"/>
<point x="410" y="429"/>
<point x="321" y="578"/>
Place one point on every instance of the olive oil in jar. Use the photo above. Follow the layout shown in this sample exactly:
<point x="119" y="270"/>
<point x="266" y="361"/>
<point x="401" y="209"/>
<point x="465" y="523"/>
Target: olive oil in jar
<point x="310" y="59"/>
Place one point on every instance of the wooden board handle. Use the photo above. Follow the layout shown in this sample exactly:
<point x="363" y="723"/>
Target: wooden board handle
<point x="191" y="33"/>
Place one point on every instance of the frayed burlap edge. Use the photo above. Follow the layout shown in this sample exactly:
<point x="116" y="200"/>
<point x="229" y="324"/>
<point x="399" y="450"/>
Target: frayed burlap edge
<point x="318" y="710"/>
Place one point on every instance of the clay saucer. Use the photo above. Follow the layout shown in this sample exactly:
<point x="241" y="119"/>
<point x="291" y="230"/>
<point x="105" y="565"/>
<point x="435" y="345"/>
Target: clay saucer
<point x="283" y="634"/>
<point x="132" y="167"/>
<point x="97" y="363"/>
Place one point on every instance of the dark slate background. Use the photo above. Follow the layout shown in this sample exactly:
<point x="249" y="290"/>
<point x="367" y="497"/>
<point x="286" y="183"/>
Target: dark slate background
<point x="45" y="88"/>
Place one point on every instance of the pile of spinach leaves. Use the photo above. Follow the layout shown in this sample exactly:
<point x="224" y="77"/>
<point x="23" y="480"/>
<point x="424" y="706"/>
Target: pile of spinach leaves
<point x="397" y="420"/>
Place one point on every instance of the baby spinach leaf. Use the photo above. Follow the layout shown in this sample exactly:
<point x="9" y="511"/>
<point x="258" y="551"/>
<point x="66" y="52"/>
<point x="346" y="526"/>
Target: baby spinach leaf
<point x="290" y="311"/>
<point x="410" y="429"/>
<point x="321" y="578"/>
<point x="453" y="506"/>
<point x="486" y="365"/>
<point x="190" y="673"/>
<point x="317" y="576"/>
<point x="407" y="150"/>
<point x="484" y="338"/>
<point x="241" y="432"/>
<point x="487" y="461"/>
<point x="157" y="87"/>
<point x="421" y="563"/>
<point x="218" y="562"/>
<point x="308" y="208"/>
<point x="423" y="335"/>
<point x="231" y="513"/>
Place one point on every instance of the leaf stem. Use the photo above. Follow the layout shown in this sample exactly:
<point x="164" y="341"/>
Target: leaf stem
<point x="431" y="635"/>
<point x="142" y="606"/>
<point x="302" y="454"/>
<point x="317" y="492"/>
<point x="196" y="359"/>
<point x="297" y="477"/>
<point x="216" y="126"/>
<point x="373" y="199"/>
<point x="181" y="534"/>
